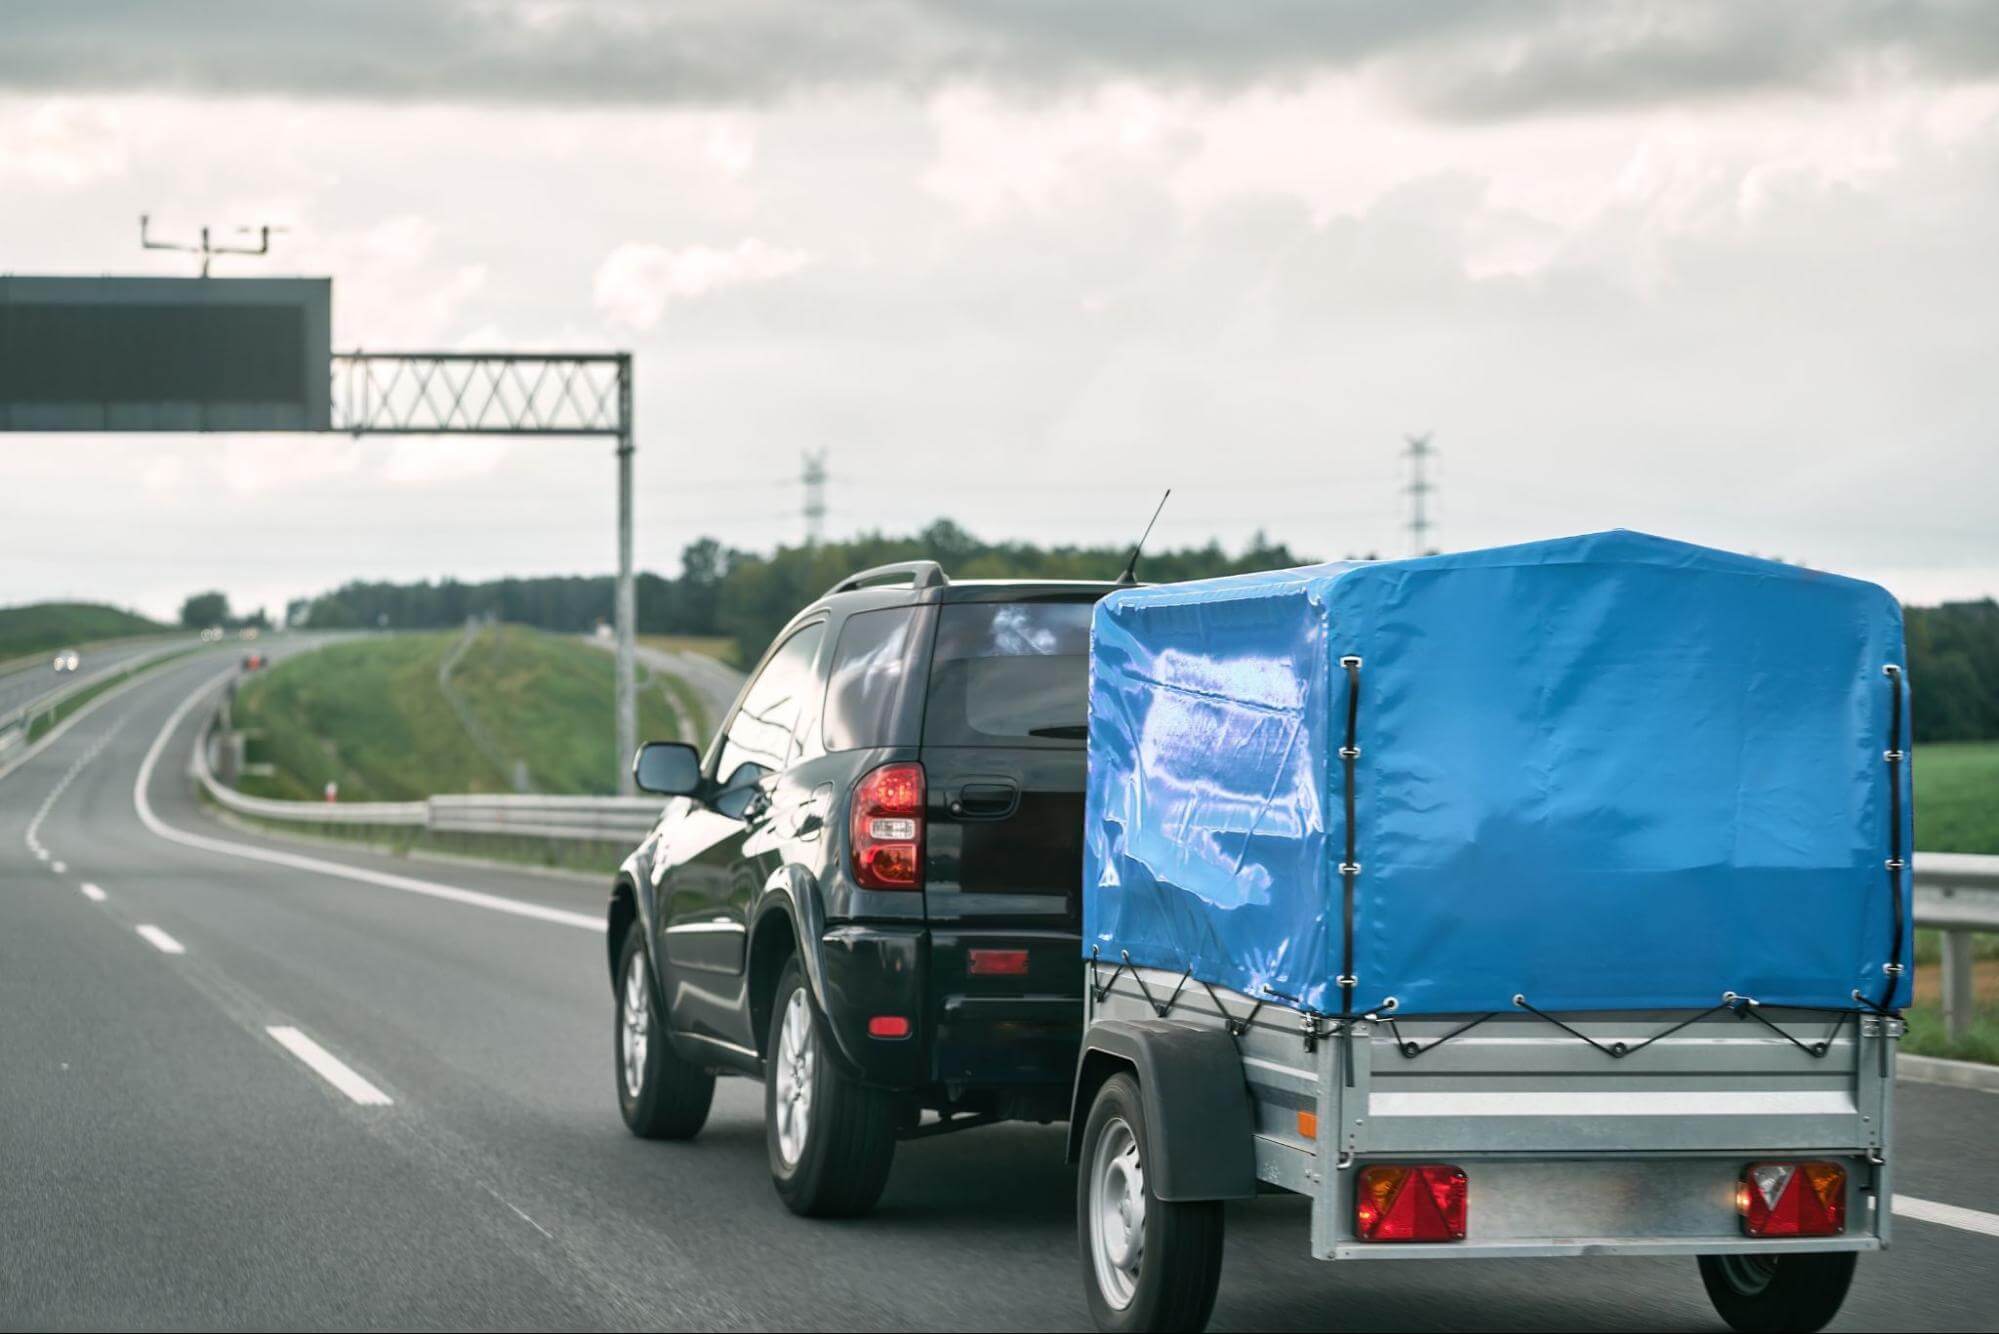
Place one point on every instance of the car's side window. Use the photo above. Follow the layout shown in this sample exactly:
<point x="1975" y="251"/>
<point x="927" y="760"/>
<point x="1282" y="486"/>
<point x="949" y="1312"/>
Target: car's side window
<point x="761" y="731"/>
<point x="869" y="673"/>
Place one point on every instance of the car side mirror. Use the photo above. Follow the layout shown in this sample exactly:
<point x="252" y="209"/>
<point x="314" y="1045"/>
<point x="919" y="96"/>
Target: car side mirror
<point x="667" y="768"/>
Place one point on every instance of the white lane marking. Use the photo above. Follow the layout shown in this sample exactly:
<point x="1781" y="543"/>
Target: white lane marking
<point x="298" y="862"/>
<point x="92" y="892"/>
<point x="160" y="940"/>
<point x="329" y="1067"/>
<point x="33" y="836"/>
<point x="1949" y="1215"/>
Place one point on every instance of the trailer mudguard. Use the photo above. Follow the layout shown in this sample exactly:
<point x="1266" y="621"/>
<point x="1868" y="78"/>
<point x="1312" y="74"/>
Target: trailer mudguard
<point x="1199" y="1126"/>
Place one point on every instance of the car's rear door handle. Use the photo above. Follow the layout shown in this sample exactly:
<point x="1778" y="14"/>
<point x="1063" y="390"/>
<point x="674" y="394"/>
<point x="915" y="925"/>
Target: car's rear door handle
<point x="986" y="801"/>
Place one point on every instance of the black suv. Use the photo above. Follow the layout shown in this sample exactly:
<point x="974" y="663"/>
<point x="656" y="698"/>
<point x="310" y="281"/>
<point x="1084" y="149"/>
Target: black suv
<point x="867" y="892"/>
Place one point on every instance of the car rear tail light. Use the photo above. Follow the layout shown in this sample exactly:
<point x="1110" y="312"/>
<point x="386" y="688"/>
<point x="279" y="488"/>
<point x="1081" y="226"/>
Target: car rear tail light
<point x="1792" y="1199"/>
<point x="997" y="963"/>
<point x="888" y="1026"/>
<point x="888" y="828"/>
<point x="1410" y="1202"/>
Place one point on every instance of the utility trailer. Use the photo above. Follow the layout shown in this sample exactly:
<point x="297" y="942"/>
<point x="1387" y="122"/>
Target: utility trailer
<point x="1547" y="901"/>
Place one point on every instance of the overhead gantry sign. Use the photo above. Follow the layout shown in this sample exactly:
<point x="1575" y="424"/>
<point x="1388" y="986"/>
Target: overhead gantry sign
<point x="255" y="354"/>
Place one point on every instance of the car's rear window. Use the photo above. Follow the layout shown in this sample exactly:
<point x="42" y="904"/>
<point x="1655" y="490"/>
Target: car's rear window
<point x="1009" y="674"/>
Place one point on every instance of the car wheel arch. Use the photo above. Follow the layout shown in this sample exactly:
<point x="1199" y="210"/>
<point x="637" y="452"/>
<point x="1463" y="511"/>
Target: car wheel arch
<point x="619" y="919"/>
<point x="787" y="916"/>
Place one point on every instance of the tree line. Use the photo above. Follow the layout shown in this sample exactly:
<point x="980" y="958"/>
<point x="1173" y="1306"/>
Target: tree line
<point x="748" y="596"/>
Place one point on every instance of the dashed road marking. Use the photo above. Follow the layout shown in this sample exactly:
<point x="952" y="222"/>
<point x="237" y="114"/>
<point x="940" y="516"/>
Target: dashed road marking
<point x="1949" y="1215"/>
<point x="329" y="1067"/>
<point x="33" y="836"/>
<point x="92" y="892"/>
<point x="160" y="940"/>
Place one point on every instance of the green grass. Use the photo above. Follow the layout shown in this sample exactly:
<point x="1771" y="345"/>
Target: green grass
<point x="368" y="714"/>
<point x="1957" y="796"/>
<point x="1926" y="1036"/>
<point x="44" y="626"/>
<point x="683" y="701"/>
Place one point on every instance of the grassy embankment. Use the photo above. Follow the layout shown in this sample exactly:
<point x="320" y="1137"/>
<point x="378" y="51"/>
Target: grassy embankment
<point x="370" y="716"/>
<point x="43" y="627"/>
<point x="1957" y="810"/>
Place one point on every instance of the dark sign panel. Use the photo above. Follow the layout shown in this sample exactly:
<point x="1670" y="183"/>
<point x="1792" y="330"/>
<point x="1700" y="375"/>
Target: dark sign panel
<point x="165" y="354"/>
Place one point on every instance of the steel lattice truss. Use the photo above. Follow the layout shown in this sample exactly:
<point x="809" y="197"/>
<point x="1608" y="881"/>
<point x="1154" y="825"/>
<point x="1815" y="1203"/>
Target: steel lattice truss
<point x="479" y="393"/>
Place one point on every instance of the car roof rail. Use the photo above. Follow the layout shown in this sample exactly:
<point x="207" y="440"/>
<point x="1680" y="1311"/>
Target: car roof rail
<point x="920" y="573"/>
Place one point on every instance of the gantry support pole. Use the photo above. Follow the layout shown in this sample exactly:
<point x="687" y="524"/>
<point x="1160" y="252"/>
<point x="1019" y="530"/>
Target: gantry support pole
<point x="626" y="608"/>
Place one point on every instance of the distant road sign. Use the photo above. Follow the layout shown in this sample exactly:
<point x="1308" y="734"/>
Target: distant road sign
<point x="165" y="354"/>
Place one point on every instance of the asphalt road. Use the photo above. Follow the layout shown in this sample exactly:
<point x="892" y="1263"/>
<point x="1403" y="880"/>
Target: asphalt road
<point x="35" y="679"/>
<point x="167" y="1160"/>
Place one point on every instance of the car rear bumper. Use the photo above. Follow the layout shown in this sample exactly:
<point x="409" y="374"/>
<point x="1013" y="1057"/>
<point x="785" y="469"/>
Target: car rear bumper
<point x="969" y="1033"/>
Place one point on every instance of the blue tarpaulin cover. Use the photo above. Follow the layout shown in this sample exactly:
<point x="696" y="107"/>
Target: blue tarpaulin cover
<point x="1602" y="772"/>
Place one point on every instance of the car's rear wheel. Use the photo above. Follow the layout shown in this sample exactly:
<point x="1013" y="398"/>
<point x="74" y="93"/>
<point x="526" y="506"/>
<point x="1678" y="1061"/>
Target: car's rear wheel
<point x="1763" y="1293"/>
<point x="831" y="1139"/>
<point x="661" y="1095"/>
<point x="1148" y="1263"/>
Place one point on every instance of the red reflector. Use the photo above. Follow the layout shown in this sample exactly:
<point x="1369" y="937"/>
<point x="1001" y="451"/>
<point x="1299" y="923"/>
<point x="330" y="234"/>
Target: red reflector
<point x="1419" y="1202"/>
<point x="1792" y="1199"/>
<point x="997" y="963"/>
<point x="887" y="828"/>
<point x="888" y="1026"/>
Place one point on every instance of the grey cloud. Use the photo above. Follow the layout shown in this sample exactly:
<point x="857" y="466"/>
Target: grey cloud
<point x="1451" y="58"/>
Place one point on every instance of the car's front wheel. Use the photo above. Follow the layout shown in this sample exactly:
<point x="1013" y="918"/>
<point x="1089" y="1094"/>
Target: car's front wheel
<point x="1762" y="1292"/>
<point x="831" y="1138"/>
<point x="661" y="1095"/>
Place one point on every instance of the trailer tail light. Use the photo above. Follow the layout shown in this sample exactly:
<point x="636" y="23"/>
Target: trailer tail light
<point x="1410" y="1202"/>
<point x="887" y="830"/>
<point x="1792" y="1199"/>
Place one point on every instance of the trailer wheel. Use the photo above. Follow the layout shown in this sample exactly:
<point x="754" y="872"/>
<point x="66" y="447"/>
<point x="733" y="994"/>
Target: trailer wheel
<point x="1762" y="1293"/>
<point x="1148" y="1263"/>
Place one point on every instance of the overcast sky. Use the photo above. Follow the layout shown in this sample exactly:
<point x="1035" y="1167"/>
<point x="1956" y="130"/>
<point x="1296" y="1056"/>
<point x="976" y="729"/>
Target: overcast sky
<point x="1714" y="270"/>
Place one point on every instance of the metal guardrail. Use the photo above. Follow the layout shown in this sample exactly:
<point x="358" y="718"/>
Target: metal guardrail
<point x="583" y="819"/>
<point x="1958" y="894"/>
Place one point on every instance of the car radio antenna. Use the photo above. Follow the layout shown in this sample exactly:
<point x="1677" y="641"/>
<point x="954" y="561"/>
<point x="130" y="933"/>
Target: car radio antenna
<point x="1130" y="575"/>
